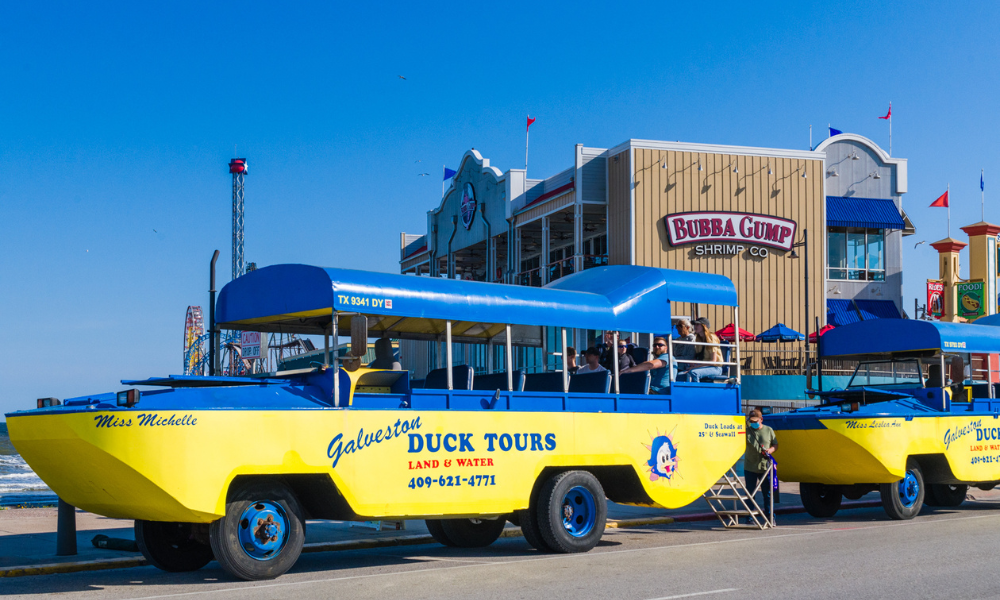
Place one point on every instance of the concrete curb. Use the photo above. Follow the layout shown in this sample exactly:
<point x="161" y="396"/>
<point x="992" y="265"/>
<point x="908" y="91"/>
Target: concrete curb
<point x="386" y="542"/>
<point x="74" y="567"/>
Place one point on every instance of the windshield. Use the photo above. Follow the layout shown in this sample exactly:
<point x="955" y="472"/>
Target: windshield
<point x="902" y="373"/>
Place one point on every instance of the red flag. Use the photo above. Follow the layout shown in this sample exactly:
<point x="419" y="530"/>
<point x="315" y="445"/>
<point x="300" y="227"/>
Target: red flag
<point x="530" y="121"/>
<point x="888" y="115"/>
<point x="942" y="200"/>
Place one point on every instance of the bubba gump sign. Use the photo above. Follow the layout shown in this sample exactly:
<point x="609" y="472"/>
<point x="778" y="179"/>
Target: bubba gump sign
<point x="733" y="227"/>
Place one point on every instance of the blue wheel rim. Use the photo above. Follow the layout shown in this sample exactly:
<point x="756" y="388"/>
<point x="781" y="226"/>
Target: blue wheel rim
<point x="263" y="530"/>
<point x="579" y="511"/>
<point x="909" y="489"/>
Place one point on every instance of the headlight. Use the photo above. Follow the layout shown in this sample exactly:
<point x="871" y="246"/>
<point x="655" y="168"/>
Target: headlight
<point x="47" y="402"/>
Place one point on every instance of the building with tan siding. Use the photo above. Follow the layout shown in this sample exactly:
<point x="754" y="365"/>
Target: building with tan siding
<point x="751" y="214"/>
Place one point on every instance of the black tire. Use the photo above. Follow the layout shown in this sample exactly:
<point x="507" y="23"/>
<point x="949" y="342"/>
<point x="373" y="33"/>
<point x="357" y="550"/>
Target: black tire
<point x="945" y="495"/>
<point x="274" y="555"/>
<point x="473" y="533"/>
<point x="435" y="528"/>
<point x="171" y="547"/>
<point x="903" y="499"/>
<point x="820" y="500"/>
<point x="529" y="528"/>
<point x="572" y="511"/>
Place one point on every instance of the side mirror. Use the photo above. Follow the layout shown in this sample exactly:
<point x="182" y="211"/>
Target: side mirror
<point x="359" y="336"/>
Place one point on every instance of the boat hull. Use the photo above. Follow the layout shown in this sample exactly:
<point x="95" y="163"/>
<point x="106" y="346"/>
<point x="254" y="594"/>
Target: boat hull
<point x="178" y="465"/>
<point x="874" y="449"/>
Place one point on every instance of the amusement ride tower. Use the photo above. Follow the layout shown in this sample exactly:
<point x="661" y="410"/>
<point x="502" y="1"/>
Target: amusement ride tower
<point x="238" y="168"/>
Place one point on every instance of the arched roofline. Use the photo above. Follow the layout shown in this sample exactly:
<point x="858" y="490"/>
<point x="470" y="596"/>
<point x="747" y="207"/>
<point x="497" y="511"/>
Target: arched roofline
<point x="898" y="163"/>
<point x="485" y="168"/>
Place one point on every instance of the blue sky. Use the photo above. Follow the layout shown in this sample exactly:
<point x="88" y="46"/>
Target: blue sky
<point x="117" y="121"/>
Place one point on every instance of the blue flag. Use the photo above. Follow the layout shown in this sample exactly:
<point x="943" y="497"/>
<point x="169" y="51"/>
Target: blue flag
<point x="834" y="132"/>
<point x="982" y="184"/>
<point x="448" y="173"/>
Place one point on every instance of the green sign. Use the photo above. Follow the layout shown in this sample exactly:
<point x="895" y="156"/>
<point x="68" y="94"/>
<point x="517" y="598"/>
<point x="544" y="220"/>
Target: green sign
<point x="971" y="303"/>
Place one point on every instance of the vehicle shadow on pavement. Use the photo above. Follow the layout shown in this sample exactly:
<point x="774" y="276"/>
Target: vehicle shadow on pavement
<point x="209" y="575"/>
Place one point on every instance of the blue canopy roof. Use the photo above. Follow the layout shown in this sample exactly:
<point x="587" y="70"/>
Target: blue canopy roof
<point x="301" y="298"/>
<point x="780" y="333"/>
<point x="991" y="320"/>
<point x="887" y="336"/>
<point x="870" y="213"/>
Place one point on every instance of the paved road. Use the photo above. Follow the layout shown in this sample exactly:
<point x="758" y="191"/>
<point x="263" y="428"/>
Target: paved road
<point x="860" y="554"/>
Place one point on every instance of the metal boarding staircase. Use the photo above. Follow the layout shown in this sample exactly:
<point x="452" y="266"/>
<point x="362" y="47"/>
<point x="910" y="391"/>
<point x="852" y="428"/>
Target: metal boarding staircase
<point x="730" y="501"/>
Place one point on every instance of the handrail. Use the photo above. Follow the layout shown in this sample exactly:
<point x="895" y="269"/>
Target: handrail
<point x="705" y="362"/>
<point x="719" y="345"/>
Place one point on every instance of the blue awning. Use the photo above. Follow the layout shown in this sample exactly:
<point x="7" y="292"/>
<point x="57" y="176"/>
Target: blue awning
<point x="870" y="213"/>
<point x="844" y="312"/>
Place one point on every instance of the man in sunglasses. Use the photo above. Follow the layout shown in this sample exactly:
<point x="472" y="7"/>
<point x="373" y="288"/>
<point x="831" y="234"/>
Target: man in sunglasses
<point x="658" y="367"/>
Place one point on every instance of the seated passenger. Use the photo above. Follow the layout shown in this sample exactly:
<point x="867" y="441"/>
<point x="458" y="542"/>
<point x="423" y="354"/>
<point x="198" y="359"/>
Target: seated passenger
<point x="593" y="358"/>
<point x="571" y="360"/>
<point x="704" y="353"/>
<point x="606" y="350"/>
<point x="684" y="352"/>
<point x="658" y="367"/>
<point x="384" y="356"/>
<point x="625" y="360"/>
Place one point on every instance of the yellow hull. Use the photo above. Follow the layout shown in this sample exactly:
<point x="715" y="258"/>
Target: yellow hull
<point x="875" y="449"/>
<point x="177" y="466"/>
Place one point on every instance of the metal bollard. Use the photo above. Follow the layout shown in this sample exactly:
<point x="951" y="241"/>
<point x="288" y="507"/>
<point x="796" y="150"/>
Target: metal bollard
<point x="66" y="530"/>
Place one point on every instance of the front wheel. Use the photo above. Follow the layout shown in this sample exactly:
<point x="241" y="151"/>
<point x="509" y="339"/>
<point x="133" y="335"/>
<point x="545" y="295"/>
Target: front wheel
<point x="473" y="533"/>
<point x="820" y="500"/>
<point x="171" y="547"/>
<point x="572" y="511"/>
<point x="902" y="500"/>
<point x="263" y="531"/>
<point x="945" y="495"/>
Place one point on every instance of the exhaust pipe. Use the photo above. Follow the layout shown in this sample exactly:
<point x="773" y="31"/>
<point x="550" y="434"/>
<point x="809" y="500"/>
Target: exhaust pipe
<point x="213" y="334"/>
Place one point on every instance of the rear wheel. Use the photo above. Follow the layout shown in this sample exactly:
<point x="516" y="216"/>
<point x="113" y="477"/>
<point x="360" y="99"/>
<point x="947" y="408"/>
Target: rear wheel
<point x="902" y="500"/>
<point x="572" y="511"/>
<point x="473" y="533"/>
<point x="820" y="500"/>
<point x="434" y="526"/>
<point x="529" y="527"/>
<point x="945" y="495"/>
<point x="171" y="546"/>
<point x="263" y="531"/>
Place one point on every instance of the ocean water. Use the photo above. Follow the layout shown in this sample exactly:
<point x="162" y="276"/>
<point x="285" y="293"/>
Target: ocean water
<point x="18" y="483"/>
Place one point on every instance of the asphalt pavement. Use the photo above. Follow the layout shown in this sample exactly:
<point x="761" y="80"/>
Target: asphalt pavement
<point x="858" y="554"/>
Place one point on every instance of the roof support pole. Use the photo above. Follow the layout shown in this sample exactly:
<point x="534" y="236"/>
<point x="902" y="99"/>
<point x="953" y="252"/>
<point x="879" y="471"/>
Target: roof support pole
<point x="326" y="347"/>
<point x="736" y="342"/>
<point x="614" y="358"/>
<point x="510" y="359"/>
<point x="489" y="356"/>
<point x="546" y="244"/>
<point x="944" y="385"/>
<point x="565" y="369"/>
<point x="670" y="351"/>
<point x="336" y="361"/>
<point x="447" y="353"/>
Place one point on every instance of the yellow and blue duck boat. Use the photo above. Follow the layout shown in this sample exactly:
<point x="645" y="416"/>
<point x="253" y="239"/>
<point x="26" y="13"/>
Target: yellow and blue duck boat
<point x="911" y="422"/>
<point x="231" y="467"/>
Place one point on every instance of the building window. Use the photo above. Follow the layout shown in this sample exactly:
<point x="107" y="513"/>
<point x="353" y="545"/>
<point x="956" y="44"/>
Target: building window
<point x="855" y="254"/>
<point x="530" y="272"/>
<point x="560" y="262"/>
<point x="595" y="252"/>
